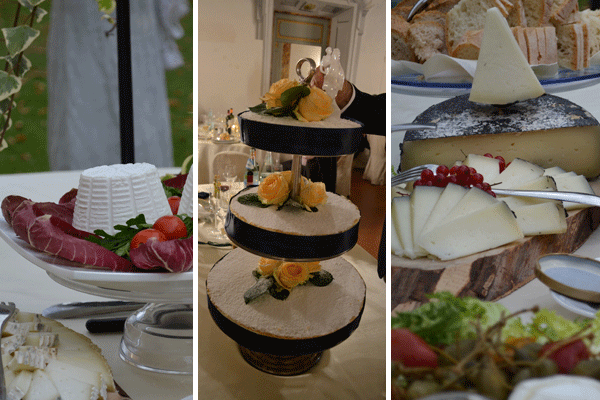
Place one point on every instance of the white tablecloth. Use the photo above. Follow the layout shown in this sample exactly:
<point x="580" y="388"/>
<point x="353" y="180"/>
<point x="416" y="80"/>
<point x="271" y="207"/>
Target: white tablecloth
<point x="207" y="149"/>
<point x="32" y="290"/>
<point x="354" y="369"/>
<point x="406" y="107"/>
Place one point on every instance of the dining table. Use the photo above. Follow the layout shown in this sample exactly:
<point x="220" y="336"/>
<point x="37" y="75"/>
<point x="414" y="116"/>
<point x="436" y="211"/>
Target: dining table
<point x="406" y="105"/>
<point x="354" y="369"/>
<point x="33" y="290"/>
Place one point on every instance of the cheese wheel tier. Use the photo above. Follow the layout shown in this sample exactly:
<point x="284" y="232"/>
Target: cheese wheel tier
<point x="331" y="137"/>
<point x="284" y="337"/>
<point x="291" y="233"/>
<point x="547" y="131"/>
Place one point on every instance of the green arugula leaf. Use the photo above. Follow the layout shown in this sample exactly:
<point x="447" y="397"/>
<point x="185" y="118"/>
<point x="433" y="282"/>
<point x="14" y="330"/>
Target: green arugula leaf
<point x="120" y="241"/>
<point x="252" y="199"/>
<point x="321" y="278"/>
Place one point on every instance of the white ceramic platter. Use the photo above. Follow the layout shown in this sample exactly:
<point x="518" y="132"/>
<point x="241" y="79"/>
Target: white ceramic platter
<point x="138" y="286"/>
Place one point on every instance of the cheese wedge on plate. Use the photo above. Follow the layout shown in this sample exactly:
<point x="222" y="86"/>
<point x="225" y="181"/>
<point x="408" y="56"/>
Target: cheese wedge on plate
<point x="44" y="360"/>
<point x="503" y="75"/>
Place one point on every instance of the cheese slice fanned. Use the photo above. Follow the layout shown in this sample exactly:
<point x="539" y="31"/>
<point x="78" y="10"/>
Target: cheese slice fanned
<point x="503" y="75"/>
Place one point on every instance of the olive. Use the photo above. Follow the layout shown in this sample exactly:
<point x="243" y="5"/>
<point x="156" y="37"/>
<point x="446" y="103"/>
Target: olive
<point x="491" y="381"/>
<point x="422" y="388"/>
<point x="544" y="367"/>
<point x="458" y="350"/>
<point x="589" y="368"/>
<point x="521" y="375"/>
<point x="529" y="352"/>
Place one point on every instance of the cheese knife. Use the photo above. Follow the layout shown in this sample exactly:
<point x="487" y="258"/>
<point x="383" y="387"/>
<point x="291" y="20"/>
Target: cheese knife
<point x="86" y="309"/>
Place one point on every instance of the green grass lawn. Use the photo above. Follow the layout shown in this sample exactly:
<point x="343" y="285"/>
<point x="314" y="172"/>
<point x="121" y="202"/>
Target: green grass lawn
<point x="27" y="151"/>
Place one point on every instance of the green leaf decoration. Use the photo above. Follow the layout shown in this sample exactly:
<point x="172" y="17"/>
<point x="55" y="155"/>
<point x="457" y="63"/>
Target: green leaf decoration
<point x="5" y="104"/>
<point x="277" y="293"/>
<point x="8" y="85"/>
<point x="19" y="38"/>
<point x="3" y="144"/>
<point x="321" y="278"/>
<point x="259" y="109"/>
<point x="22" y="68"/>
<point x="107" y="6"/>
<point x="30" y="3"/>
<point x="252" y="199"/>
<point x="40" y="13"/>
<point x="292" y="95"/>
<point x="3" y="122"/>
<point x="262" y="286"/>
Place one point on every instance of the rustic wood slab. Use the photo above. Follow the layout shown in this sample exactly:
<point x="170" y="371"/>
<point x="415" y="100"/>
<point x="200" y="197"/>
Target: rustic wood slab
<point x="488" y="275"/>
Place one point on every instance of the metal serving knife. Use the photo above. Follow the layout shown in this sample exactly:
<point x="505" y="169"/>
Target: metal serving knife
<point x="91" y="308"/>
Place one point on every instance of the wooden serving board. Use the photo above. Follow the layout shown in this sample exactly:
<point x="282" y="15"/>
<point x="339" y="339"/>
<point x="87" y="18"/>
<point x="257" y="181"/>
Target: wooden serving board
<point x="491" y="274"/>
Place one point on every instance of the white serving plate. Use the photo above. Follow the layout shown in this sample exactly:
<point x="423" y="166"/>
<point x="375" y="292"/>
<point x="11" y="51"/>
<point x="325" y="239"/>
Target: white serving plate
<point x="578" y="307"/>
<point x="413" y="84"/>
<point x="161" y="287"/>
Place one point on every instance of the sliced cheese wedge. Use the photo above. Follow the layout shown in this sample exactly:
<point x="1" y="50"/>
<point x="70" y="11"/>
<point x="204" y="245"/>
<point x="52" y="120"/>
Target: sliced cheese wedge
<point x="481" y="230"/>
<point x="553" y="171"/>
<point x="18" y="386"/>
<point x="41" y="388"/>
<point x="403" y="223"/>
<point x="516" y="174"/>
<point x="64" y="376"/>
<point x="577" y="184"/>
<point x="503" y="74"/>
<point x="397" y="248"/>
<point x="545" y="183"/>
<point x="449" y="198"/>
<point x="542" y="219"/>
<point x="422" y="201"/>
<point x="475" y="199"/>
<point x="486" y="166"/>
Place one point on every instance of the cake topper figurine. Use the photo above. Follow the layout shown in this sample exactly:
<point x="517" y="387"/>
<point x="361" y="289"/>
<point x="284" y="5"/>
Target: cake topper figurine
<point x="333" y="81"/>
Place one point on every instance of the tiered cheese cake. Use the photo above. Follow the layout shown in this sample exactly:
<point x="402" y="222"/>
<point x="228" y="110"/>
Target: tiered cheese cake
<point x="287" y="337"/>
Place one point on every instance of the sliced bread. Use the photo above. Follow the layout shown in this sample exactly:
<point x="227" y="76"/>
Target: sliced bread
<point x="573" y="46"/>
<point x="564" y="12"/>
<point x="426" y="39"/>
<point x="469" y="15"/>
<point x="537" y="12"/>
<point x="401" y="50"/>
<point x="592" y="19"/>
<point x="516" y="17"/>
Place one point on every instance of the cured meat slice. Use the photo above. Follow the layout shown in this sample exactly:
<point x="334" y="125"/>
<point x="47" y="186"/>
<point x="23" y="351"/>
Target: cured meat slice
<point x="44" y="235"/>
<point x="62" y="211"/>
<point x="9" y="205"/>
<point x="173" y="255"/>
<point x="22" y="218"/>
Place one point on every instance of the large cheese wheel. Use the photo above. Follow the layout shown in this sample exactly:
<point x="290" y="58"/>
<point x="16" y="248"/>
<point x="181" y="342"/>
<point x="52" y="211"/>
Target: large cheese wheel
<point x="548" y="131"/>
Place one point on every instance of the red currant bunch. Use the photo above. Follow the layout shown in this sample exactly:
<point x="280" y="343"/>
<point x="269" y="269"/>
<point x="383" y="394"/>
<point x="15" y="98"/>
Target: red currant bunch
<point x="459" y="174"/>
<point x="502" y="163"/>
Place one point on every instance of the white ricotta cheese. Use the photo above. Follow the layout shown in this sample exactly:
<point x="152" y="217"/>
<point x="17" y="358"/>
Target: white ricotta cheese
<point x="111" y="194"/>
<point x="189" y="195"/>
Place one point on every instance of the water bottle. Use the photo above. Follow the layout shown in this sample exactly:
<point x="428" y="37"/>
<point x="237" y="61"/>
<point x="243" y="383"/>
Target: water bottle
<point x="268" y="166"/>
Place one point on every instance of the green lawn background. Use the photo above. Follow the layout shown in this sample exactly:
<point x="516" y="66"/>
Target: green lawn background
<point x="27" y="138"/>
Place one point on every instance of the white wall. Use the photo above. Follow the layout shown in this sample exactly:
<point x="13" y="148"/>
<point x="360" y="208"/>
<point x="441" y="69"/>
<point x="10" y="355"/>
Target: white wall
<point x="230" y="56"/>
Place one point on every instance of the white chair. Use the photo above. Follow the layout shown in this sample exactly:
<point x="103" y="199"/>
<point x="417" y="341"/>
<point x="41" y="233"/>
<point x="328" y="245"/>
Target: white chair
<point x="236" y="158"/>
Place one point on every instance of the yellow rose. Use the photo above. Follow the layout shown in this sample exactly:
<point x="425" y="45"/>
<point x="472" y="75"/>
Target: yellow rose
<point x="273" y="96"/>
<point x="291" y="274"/>
<point x="274" y="189"/>
<point x="313" y="194"/>
<point x="315" y="107"/>
<point x="287" y="175"/>
<point x="266" y="266"/>
<point x="313" y="267"/>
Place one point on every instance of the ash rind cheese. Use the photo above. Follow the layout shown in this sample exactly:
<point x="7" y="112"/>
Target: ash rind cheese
<point x="460" y="117"/>
<point x="548" y="131"/>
